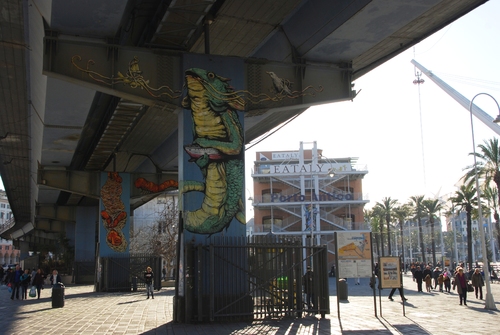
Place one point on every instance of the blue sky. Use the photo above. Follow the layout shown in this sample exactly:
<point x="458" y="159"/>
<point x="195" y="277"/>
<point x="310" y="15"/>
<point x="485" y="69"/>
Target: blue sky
<point x="411" y="143"/>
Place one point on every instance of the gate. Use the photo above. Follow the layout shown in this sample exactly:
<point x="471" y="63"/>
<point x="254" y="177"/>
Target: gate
<point x="84" y="272"/>
<point x="122" y="274"/>
<point x="259" y="278"/>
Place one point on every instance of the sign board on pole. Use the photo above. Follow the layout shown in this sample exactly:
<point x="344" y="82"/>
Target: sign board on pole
<point x="354" y="254"/>
<point x="390" y="269"/>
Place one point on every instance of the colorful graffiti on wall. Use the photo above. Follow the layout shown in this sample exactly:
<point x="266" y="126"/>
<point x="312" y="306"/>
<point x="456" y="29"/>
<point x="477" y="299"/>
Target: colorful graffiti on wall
<point x="217" y="149"/>
<point x="114" y="215"/>
<point x="151" y="187"/>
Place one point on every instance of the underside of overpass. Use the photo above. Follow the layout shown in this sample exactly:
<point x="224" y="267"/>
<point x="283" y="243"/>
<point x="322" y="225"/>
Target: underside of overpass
<point x="66" y="115"/>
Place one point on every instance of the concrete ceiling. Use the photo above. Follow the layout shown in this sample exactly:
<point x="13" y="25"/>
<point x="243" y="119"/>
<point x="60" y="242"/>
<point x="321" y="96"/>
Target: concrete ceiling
<point x="50" y="124"/>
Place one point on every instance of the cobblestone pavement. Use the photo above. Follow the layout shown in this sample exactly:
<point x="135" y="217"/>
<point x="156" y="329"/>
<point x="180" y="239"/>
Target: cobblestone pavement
<point x="87" y="312"/>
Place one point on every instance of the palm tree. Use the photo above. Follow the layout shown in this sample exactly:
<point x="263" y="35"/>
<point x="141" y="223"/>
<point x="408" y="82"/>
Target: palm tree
<point x="418" y="210"/>
<point x="432" y="207"/>
<point x="387" y="206"/>
<point x="378" y="215"/>
<point x="488" y="166"/>
<point x="402" y="213"/>
<point x="465" y="199"/>
<point x="373" y="220"/>
<point x="451" y="211"/>
<point x="488" y="169"/>
<point x="491" y="196"/>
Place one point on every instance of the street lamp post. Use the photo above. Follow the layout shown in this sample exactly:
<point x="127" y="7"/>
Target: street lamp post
<point x="489" y="302"/>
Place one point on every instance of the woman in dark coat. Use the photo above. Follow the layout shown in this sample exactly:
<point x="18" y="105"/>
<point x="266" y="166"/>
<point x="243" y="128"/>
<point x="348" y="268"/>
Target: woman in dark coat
<point x="461" y="283"/>
<point x="38" y="281"/>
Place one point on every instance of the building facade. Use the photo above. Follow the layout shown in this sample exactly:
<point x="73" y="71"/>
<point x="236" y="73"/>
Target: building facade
<point x="8" y="254"/>
<point x="302" y="193"/>
<point x="457" y="225"/>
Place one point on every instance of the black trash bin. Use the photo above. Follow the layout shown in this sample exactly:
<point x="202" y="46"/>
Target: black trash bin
<point x="58" y="295"/>
<point x="342" y="290"/>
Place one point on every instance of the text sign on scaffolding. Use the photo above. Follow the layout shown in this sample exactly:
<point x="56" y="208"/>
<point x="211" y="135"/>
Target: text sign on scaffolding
<point x="354" y="254"/>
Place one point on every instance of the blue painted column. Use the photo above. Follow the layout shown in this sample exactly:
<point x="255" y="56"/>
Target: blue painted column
<point x="211" y="182"/>
<point x="85" y="244"/>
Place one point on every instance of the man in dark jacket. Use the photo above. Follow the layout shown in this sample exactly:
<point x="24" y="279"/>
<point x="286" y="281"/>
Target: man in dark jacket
<point x="307" y="281"/>
<point x="419" y="276"/>
<point x="15" y="281"/>
<point x="149" y="278"/>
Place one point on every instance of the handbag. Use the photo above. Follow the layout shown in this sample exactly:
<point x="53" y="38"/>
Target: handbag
<point x="470" y="288"/>
<point x="32" y="292"/>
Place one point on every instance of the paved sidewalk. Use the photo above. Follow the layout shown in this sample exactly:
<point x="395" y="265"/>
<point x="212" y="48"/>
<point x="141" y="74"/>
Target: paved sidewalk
<point x="87" y="312"/>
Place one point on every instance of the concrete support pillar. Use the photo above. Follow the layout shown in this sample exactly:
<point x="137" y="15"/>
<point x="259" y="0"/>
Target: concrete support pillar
<point x="85" y="229"/>
<point x="24" y="248"/>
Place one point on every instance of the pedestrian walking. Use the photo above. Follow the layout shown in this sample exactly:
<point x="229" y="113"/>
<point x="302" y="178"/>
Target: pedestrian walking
<point x="478" y="282"/>
<point x="435" y="277"/>
<point x="419" y="276"/>
<point x="38" y="281"/>
<point x="400" y="294"/>
<point x="164" y="273"/>
<point x="25" y="281"/>
<point x="15" y="281"/>
<point x="447" y="280"/>
<point x="307" y="281"/>
<point x="461" y="283"/>
<point x="148" y="278"/>
<point x="440" y="282"/>
<point x="428" y="283"/>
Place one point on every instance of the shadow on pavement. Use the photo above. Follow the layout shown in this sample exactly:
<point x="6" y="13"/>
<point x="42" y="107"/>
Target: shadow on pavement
<point x="284" y="326"/>
<point x="411" y="329"/>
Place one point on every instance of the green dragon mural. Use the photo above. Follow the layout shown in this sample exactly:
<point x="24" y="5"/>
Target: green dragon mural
<point x="217" y="149"/>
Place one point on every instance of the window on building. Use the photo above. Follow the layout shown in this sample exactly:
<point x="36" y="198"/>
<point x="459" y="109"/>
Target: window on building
<point x="7" y="247"/>
<point x="2" y="215"/>
<point x="266" y="194"/>
<point x="268" y="221"/>
<point x="2" y="205"/>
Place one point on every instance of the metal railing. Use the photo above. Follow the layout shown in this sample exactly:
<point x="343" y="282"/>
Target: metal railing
<point x="257" y="278"/>
<point x="7" y="225"/>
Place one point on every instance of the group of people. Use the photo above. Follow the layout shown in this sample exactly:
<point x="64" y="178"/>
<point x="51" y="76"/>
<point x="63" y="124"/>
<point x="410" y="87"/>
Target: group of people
<point x="20" y="281"/>
<point x="445" y="280"/>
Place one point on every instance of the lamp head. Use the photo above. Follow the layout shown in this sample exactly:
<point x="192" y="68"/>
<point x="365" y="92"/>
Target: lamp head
<point x="497" y="120"/>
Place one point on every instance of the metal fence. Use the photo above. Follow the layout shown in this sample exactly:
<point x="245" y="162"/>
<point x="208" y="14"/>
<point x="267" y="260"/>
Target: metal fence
<point x="124" y="274"/>
<point x="236" y="279"/>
